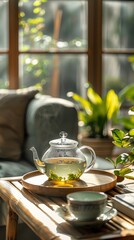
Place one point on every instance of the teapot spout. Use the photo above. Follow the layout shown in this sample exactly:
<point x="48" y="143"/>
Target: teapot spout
<point x="35" y="154"/>
<point x="38" y="163"/>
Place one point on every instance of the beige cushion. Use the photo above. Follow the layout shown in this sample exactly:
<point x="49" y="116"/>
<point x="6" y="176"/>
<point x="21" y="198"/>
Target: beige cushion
<point x="13" y="104"/>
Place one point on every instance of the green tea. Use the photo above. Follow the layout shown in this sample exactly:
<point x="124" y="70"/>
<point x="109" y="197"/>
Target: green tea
<point x="64" y="168"/>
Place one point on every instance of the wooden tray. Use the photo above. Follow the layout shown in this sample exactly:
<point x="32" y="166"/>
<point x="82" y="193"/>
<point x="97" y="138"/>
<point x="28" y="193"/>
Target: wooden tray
<point x="94" y="180"/>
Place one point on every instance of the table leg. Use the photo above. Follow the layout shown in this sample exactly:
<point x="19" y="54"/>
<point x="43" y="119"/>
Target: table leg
<point x="11" y="227"/>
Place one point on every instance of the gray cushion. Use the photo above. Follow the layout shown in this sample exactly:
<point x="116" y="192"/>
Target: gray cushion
<point x="13" y="168"/>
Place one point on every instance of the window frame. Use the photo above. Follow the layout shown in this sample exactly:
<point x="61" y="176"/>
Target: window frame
<point x="94" y="59"/>
<point x="94" y="51"/>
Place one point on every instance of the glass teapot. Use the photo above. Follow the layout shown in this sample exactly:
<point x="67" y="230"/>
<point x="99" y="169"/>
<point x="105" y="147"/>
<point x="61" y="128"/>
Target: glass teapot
<point x="64" y="161"/>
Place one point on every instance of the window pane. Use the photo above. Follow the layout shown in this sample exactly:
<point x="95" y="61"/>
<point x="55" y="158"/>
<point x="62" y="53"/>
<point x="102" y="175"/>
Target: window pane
<point x="3" y="71"/>
<point x="4" y="24"/>
<point x="53" y="24"/>
<point x="118" y="71"/>
<point x="57" y="74"/>
<point x="118" y="24"/>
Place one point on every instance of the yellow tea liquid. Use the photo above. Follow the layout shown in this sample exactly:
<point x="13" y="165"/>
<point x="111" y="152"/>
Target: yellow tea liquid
<point x="64" y="168"/>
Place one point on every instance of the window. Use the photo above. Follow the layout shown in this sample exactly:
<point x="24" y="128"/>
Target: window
<point x="118" y="44"/>
<point x="63" y="44"/>
<point x="53" y="47"/>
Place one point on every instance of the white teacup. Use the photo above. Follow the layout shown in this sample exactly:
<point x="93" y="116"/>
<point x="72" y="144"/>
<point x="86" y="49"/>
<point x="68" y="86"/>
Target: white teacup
<point x="86" y="205"/>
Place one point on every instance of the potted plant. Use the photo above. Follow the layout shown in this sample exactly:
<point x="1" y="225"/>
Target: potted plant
<point x="124" y="161"/>
<point x="96" y="115"/>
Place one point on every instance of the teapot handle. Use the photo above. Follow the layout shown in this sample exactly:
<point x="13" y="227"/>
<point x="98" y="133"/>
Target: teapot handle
<point x="91" y="163"/>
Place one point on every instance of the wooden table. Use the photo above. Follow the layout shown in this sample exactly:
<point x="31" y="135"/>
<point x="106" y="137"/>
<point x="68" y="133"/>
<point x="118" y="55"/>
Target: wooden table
<point x="40" y="214"/>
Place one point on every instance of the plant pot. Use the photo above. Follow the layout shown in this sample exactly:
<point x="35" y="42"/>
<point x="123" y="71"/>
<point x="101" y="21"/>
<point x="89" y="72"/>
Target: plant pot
<point x="103" y="147"/>
<point x="120" y="179"/>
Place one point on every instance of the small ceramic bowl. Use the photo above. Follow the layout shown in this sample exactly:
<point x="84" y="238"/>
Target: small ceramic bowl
<point x="86" y="205"/>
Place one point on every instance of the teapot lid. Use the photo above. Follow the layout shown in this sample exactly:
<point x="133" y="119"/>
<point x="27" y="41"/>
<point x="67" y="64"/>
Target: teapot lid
<point x="63" y="142"/>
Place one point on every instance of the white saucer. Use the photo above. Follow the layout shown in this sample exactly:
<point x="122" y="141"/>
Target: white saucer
<point x="105" y="217"/>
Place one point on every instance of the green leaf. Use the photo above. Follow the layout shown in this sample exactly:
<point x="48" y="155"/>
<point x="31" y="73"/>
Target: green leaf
<point x="37" y="10"/>
<point x="132" y="151"/>
<point x="37" y="3"/>
<point x="93" y="96"/>
<point x="131" y="58"/>
<point x="127" y="122"/>
<point x="117" y="172"/>
<point x="112" y="161"/>
<point x="83" y="102"/>
<point x="112" y="103"/>
<point x="124" y="171"/>
<point x="83" y="117"/>
<point x="131" y="132"/>
<point x="129" y="177"/>
<point x="132" y="108"/>
<point x="123" y="158"/>
<point x="126" y="142"/>
<point x="127" y="93"/>
<point x="118" y="135"/>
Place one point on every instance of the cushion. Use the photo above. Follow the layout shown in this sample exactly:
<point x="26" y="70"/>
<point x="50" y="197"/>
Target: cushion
<point x="15" y="168"/>
<point x="13" y="104"/>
